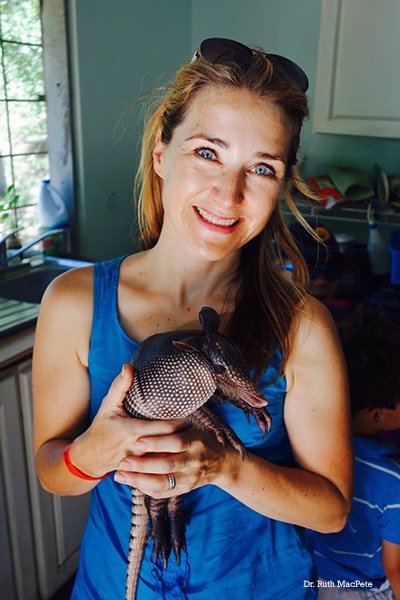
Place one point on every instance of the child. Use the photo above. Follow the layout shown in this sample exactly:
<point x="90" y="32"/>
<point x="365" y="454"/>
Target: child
<point x="363" y="560"/>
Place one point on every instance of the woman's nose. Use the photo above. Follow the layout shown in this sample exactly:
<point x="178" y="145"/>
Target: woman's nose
<point x="230" y="188"/>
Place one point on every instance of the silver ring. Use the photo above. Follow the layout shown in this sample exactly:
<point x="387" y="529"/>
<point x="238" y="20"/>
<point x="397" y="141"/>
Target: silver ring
<point x="172" y="482"/>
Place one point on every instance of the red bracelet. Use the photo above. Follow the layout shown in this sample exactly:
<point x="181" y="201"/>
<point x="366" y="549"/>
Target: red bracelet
<point x="76" y="471"/>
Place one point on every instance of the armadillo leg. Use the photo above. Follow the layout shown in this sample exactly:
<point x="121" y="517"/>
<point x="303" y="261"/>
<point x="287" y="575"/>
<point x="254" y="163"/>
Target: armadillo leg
<point x="205" y="417"/>
<point x="261" y="415"/>
<point x="137" y="542"/>
<point x="159" y="528"/>
<point x="176" y="525"/>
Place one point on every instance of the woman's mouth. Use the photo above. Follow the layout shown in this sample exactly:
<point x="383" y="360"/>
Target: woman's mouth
<point x="209" y="218"/>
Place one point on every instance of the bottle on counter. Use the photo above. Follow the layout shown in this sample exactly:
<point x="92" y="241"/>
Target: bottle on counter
<point x="377" y="248"/>
<point x="52" y="214"/>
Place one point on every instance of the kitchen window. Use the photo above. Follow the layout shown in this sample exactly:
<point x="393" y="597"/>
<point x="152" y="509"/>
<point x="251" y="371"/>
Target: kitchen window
<point x="35" y="135"/>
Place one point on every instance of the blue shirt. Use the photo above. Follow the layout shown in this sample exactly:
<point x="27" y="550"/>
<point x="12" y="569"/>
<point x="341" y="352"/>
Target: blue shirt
<point x="232" y="551"/>
<point x="355" y="553"/>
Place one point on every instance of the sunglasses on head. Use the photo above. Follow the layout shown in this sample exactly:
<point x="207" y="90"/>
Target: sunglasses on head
<point x="222" y="51"/>
<point x="332" y="271"/>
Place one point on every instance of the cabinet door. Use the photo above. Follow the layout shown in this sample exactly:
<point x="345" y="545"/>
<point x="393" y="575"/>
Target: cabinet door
<point x="17" y="557"/>
<point x="58" y="522"/>
<point x="358" y="88"/>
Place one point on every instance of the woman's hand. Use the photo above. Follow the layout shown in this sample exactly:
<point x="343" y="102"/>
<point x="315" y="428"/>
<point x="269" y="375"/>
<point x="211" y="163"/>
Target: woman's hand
<point x="193" y="456"/>
<point x="113" y="435"/>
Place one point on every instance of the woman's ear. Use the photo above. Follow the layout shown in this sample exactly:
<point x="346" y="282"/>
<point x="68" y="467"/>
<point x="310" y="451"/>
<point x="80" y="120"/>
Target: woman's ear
<point x="157" y="155"/>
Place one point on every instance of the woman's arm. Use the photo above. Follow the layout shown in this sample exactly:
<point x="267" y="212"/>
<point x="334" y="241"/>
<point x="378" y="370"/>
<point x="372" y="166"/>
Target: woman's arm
<point x="61" y="391"/>
<point x="391" y="565"/>
<point x="318" y="493"/>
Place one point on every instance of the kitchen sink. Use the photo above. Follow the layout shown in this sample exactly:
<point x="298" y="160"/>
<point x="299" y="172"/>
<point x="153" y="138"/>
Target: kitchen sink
<point x="28" y="284"/>
<point x="22" y="286"/>
<point x="29" y="287"/>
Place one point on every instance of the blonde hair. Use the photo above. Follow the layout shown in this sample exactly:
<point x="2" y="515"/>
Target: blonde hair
<point x="268" y="298"/>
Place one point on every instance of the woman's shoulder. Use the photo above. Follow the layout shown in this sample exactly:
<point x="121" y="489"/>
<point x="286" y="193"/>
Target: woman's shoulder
<point x="313" y="337"/>
<point x="312" y="320"/>
<point x="66" y="312"/>
<point x="74" y="283"/>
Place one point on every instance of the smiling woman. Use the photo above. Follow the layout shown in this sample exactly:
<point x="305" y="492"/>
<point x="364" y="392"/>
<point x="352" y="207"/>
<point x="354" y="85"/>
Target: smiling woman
<point x="219" y="187"/>
<point x="218" y="154"/>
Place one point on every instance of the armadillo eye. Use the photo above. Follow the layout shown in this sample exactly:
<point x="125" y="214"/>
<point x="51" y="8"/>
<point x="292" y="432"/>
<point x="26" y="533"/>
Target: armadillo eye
<point x="220" y="369"/>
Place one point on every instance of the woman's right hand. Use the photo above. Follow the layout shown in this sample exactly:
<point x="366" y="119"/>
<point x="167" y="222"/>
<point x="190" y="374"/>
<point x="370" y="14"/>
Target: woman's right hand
<point x="113" y="434"/>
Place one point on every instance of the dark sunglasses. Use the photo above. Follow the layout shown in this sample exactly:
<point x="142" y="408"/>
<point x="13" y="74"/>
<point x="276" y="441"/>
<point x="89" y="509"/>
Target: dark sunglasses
<point x="222" y="51"/>
<point x="332" y="271"/>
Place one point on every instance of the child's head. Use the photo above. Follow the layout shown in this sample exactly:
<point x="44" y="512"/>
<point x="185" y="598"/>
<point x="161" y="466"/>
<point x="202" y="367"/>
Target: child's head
<point x="371" y="344"/>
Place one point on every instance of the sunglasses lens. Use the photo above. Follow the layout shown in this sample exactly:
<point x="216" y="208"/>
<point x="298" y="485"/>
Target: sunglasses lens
<point x="289" y="71"/>
<point x="220" y="51"/>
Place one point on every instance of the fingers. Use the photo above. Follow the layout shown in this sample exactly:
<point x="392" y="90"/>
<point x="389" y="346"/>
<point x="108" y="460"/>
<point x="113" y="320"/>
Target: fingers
<point x="157" y="486"/>
<point x="159" y="464"/>
<point x="175" y="441"/>
<point x="194" y="458"/>
<point x="119" y="387"/>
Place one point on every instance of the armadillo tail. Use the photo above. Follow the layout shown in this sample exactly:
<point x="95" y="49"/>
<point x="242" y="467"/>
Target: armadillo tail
<point x="137" y="542"/>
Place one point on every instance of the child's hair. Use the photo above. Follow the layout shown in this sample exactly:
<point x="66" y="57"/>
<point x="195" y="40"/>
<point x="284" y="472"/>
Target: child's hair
<point x="371" y="344"/>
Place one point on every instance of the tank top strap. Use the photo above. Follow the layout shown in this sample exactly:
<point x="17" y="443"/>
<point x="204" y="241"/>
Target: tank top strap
<point x="105" y="323"/>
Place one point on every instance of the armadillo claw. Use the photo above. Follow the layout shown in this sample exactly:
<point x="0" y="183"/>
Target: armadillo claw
<point x="205" y="417"/>
<point x="261" y="415"/>
<point x="176" y="526"/>
<point x="159" y="529"/>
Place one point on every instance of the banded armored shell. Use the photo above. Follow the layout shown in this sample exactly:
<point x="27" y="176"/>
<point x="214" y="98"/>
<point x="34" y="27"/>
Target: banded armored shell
<point x="170" y="382"/>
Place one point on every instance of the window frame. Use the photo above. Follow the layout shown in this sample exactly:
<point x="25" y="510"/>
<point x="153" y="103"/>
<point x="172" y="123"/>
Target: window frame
<point x="58" y="104"/>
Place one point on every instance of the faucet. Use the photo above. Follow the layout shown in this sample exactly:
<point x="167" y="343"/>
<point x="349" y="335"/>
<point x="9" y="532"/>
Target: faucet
<point x="3" y="248"/>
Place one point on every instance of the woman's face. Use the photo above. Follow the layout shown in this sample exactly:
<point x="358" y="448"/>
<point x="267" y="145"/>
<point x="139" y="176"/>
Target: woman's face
<point x="222" y="171"/>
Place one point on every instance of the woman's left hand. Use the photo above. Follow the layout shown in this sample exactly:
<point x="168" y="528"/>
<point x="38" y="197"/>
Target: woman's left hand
<point x="193" y="456"/>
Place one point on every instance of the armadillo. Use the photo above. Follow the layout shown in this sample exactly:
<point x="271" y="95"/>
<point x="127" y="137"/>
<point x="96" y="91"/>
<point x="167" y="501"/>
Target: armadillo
<point x="175" y="375"/>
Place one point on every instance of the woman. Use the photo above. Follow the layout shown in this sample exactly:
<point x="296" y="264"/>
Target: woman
<point x="218" y="154"/>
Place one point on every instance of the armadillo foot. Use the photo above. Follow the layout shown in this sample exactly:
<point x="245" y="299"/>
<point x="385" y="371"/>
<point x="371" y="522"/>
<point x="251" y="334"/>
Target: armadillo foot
<point x="261" y="415"/>
<point x="205" y="417"/>
<point x="159" y="528"/>
<point x="167" y="527"/>
<point x="176" y="525"/>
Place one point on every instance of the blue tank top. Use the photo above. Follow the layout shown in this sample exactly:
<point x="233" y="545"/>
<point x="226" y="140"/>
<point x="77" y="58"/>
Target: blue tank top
<point x="232" y="551"/>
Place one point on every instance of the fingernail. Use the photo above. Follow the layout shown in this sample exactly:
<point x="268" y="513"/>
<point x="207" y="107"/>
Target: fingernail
<point x="120" y="477"/>
<point x="140" y="445"/>
<point x="122" y="374"/>
<point x="124" y="465"/>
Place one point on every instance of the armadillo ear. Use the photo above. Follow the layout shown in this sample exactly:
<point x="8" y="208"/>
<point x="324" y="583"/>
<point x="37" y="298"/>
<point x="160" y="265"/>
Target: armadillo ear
<point x="190" y="344"/>
<point x="210" y="320"/>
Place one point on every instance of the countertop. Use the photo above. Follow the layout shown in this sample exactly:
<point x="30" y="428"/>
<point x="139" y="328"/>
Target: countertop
<point x="16" y="346"/>
<point x="16" y="315"/>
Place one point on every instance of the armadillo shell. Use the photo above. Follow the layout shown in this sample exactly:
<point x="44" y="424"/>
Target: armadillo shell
<point x="169" y="383"/>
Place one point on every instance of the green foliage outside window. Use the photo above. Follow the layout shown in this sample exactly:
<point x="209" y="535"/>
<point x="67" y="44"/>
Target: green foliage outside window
<point x="23" y="129"/>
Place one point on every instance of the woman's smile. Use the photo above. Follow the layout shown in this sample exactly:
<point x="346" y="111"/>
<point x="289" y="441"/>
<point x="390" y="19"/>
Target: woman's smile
<point x="222" y="171"/>
<point x="208" y="218"/>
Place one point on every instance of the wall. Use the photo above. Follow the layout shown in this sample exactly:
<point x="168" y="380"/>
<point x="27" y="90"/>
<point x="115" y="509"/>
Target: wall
<point x="118" y="49"/>
<point x="291" y="28"/>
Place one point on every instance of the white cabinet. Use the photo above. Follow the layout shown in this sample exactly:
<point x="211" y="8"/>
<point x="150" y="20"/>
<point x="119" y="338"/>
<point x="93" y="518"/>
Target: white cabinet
<point x="41" y="534"/>
<point x="58" y="522"/>
<point x="17" y="558"/>
<point x="358" y="87"/>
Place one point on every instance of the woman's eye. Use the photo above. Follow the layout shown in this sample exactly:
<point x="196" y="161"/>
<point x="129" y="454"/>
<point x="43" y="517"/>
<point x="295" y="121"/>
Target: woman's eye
<point x="206" y="153"/>
<point x="263" y="170"/>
